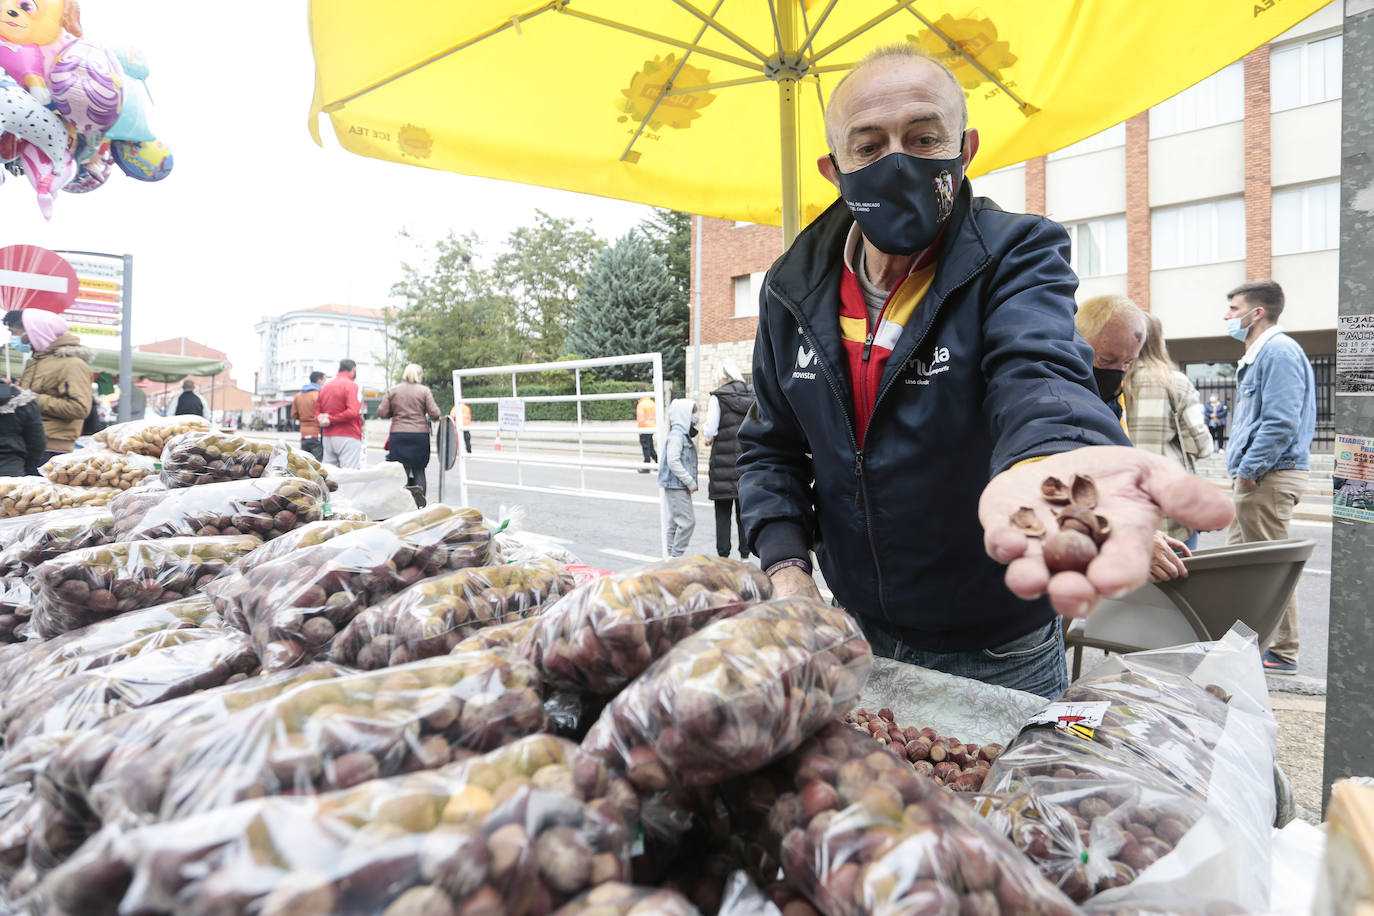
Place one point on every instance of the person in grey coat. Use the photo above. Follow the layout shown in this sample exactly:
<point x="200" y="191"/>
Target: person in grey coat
<point x="677" y="475"/>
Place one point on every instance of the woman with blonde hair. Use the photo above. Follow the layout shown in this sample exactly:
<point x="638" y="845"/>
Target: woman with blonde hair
<point x="1166" y="413"/>
<point x="410" y="406"/>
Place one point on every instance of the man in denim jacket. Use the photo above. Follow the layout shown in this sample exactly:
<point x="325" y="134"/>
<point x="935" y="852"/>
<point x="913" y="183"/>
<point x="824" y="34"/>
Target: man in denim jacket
<point x="1271" y="436"/>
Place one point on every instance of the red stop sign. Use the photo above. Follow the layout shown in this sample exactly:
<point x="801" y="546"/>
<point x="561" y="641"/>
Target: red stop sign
<point x="35" y="278"/>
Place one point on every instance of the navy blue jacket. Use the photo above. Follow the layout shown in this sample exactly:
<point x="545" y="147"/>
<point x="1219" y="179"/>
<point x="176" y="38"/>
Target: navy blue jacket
<point x="988" y="372"/>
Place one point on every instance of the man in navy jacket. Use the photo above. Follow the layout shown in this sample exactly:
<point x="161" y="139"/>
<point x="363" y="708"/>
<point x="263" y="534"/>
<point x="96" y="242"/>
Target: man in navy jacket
<point x="917" y="375"/>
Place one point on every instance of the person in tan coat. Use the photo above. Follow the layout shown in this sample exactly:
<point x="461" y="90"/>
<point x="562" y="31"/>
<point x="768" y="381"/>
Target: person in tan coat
<point x="303" y="411"/>
<point x="410" y="406"/>
<point x="59" y="374"/>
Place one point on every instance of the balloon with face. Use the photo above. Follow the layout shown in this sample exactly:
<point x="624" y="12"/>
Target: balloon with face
<point x="31" y="31"/>
<point x="87" y="88"/>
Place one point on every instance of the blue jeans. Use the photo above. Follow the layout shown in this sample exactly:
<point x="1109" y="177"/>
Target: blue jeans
<point x="1033" y="663"/>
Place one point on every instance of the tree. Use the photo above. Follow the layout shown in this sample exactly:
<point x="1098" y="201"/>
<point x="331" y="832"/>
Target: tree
<point x="540" y="271"/>
<point x="453" y="316"/>
<point x="630" y="304"/>
<point x="669" y="233"/>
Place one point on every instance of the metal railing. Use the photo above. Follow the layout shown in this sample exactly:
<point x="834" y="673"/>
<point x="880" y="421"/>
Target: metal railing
<point x="583" y="463"/>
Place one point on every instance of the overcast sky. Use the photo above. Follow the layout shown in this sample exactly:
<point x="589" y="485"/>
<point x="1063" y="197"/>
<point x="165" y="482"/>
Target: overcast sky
<point x="255" y="219"/>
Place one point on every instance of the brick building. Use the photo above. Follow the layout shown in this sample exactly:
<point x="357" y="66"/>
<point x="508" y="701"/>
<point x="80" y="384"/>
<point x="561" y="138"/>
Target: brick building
<point x="1234" y="179"/>
<point x="221" y="392"/>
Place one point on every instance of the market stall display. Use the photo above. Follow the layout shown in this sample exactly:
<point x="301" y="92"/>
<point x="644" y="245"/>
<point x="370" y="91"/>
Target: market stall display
<point x="294" y="606"/>
<point x="742" y="691"/>
<point x="50" y="534"/>
<point x="617" y="899"/>
<point x="504" y="636"/>
<point x="148" y="437"/>
<point x="84" y="586"/>
<point x="431" y="617"/>
<point x="605" y="633"/>
<point x="959" y="766"/>
<point x="517" y="831"/>
<point x="327" y="734"/>
<point x="267" y="507"/>
<point x="31" y="495"/>
<point x="98" y="467"/>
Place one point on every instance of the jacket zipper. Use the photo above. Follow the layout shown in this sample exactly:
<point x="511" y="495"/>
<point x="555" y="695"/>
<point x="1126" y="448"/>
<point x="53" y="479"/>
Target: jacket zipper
<point x="861" y="489"/>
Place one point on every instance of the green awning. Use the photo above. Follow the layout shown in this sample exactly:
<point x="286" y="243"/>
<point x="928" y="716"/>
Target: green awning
<point x="157" y="367"/>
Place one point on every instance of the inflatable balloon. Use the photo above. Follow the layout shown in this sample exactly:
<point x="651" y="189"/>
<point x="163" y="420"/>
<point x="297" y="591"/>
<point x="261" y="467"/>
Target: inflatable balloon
<point x="43" y="143"/>
<point x="133" y="117"/>
<point x="87" y="87"/>
<point x="147" y="161"/>
<point x="92" y="173"/>
<point x="31" y="33"/>
<point x="46" y="179"/>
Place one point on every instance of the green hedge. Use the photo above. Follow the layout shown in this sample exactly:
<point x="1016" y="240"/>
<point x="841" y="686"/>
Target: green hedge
<point x="564" y="411"/>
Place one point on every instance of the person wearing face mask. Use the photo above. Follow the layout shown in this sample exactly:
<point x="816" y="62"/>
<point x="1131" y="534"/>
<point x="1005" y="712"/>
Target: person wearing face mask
<point x="1272" y="424"/>
<point x="677" y="475"/>
<point x="917" y="376"/>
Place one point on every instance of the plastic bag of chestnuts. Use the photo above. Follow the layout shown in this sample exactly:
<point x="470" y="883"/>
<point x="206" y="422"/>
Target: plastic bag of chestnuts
<point x="432" y="616"/>
<point x="739" y="693"/>
<point x="29" y="665"/>
<point x="294" y="606"/>
<point x="859" y="833"/>
<point x="606" y="632"/>
<point x="331" y="734"/>
<point x="83" y="586"/>
<point x="296" y="539"/>
<point x="267" y="507"/>
<point x="42" y="537"/>
<point x="520" y="831"/>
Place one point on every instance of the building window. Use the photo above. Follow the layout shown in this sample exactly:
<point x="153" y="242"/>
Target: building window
<point x="747" y="288"/>
<point x="1202" y="233"/>
<point x="1111" y="137"/>
<point x="1305" y="74"/>
<point x="1307" y="218"/>
<point x="1219" y="99"/>
<point x="1099" y="246"/>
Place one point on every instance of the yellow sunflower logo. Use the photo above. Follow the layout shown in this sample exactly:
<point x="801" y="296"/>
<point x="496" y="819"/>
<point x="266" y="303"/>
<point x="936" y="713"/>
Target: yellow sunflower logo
<point x="414" y="141"/>
<point x="977" y="38"/>
<point x="649" y="85"/>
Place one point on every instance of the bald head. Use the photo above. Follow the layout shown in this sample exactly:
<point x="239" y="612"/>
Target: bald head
<point x="894" y="68"/>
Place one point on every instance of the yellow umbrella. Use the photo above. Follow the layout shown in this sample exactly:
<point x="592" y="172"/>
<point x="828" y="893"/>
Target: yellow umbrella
<point x="693" y="104"/>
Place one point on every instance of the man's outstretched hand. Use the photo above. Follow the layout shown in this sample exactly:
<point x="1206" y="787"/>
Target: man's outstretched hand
<point x="1134" y="490"/>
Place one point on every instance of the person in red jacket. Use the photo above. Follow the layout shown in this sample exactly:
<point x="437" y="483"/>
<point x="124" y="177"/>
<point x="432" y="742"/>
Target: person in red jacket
<point x="339" y="411"/>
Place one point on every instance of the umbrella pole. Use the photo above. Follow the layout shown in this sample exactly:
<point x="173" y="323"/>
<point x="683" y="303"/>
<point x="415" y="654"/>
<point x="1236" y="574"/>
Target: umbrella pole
<point x="787" y="124"/>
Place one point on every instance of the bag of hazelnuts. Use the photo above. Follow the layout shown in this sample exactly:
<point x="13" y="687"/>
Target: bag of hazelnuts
<point x="83" y="586"/>
<point x="859" y="833"/>
<point x="619" y="899"/>
<point x="32" y="495"/>
<point x="42" y="537"/>
<point x="267" y="507"/>
<point x="149" y="436"/>
<point x="30" y="665"/>
<point x="606" y="632"/>
<point x="742" y="691"/>
<point x="520" y="830"/>
<point x="432" y="616"/>
<point x="98" y="467"/>
<point x="193" y="458"/>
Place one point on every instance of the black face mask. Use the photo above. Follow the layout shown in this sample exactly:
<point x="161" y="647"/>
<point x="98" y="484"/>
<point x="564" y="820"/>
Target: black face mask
<point x="900" y="202"/>
<point x="692" y="431"/>
<point x="1108" y="383"/>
